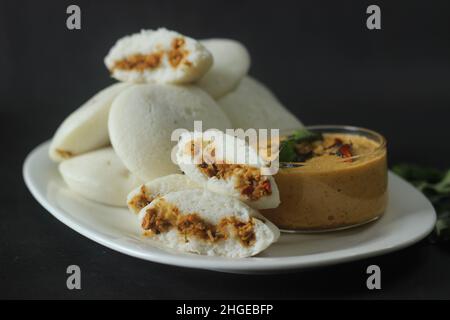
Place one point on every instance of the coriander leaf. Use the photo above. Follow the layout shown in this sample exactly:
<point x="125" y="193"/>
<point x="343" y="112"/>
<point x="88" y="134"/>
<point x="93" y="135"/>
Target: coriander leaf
<point x="304" y="135"/>
<point x="287" y="151"/>
<point x="413" y="173"/>
<point x="442" y="228"/>
<point x="435" y="185"/>
<point x="444" y="185"/>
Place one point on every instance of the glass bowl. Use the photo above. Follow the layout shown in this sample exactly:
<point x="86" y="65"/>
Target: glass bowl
<point x="333" y="193"/>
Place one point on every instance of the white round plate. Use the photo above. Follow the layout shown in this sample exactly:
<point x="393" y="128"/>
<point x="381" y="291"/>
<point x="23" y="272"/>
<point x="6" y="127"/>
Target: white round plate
<point x="409" y="218"/>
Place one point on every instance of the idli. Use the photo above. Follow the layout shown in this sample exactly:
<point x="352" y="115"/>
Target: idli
<point x="161" y="56"/>
<point x="86" y="129"/>
<point x="100" y="176"/>
<point x="252" y="105"/>
<point x="206" y="223"/>
<point x="142" y="120"/>
<point x="146" y="193"/>
<point x="231" y="64"/>
<point x="227" y="165"/>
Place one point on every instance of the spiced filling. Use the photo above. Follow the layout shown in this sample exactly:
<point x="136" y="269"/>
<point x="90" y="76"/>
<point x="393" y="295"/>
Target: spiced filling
<point x="140" y="200"/>
<point x="140" y="62"/>
<point x="249" y="180"/>
<point x="164" y="217"/>
<point x="65" y="154"/>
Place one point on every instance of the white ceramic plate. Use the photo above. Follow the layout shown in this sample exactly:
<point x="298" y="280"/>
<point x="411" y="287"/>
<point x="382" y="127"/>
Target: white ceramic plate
<point x="408" y="218"/>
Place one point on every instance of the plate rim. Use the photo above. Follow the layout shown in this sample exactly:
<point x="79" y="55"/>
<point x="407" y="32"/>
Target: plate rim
<point x="249" y="265"/>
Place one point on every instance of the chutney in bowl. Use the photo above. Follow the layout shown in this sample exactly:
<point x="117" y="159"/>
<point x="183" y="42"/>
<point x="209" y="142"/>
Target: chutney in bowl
<point x="335" y="178"/>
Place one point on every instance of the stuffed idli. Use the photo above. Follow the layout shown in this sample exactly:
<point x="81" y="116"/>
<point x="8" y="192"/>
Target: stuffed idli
<point x="227" y="165"/>
<point x="146" y="193"/>
<point x="231" y="64"/>
<point x="253" y="105"/>
<point x="86" y="129"/>
<point x="161" y="56"/>
<point x="100" y="176"/>
<point x="207" y="223"/>
<point x="142" y="120"/>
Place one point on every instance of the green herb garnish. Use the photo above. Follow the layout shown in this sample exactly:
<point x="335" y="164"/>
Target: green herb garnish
<point x="304" y="135"/>
<point x="288" y="151"/>
<point x="435" y="185"/>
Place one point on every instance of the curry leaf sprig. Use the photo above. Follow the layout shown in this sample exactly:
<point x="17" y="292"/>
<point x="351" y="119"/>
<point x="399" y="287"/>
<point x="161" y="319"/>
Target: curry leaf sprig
<point x="435" y="185"/>
<point x="287" y="147"/>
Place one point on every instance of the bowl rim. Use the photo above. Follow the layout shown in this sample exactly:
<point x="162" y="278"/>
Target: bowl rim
<point x="350" y="129"/>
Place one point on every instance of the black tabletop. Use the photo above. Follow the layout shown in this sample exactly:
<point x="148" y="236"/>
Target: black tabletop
<point x="320" y="60"/>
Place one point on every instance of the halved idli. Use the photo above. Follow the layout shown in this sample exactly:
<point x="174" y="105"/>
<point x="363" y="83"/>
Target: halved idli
<point x="253" y="105"/>
<point x="161" y="56"/>
<point x="207" y="223"/>
<point x="142" y="120"/>
<point x="231" y="64"/>
<point x="227" y="165"/>
<point x="100" y="176"/>
<point x="146" y="193"/>
<point x="86" y="129"/>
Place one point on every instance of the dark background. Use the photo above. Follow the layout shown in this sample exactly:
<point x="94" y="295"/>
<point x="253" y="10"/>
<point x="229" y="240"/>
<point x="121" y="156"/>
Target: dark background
<point x="317" y="56"/>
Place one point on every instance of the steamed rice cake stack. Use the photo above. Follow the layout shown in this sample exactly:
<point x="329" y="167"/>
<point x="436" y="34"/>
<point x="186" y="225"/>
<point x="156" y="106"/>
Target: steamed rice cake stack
<point x="118" y="148"/>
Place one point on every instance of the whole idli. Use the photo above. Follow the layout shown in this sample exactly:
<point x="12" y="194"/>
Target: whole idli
<point x="231" y="64"/>
<point x="161" y="55"/>
<point x="100" y="176"/>
<point x="86" y="129"/>
<point x="142" y="120"/>
<point x="253" y="105"/>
